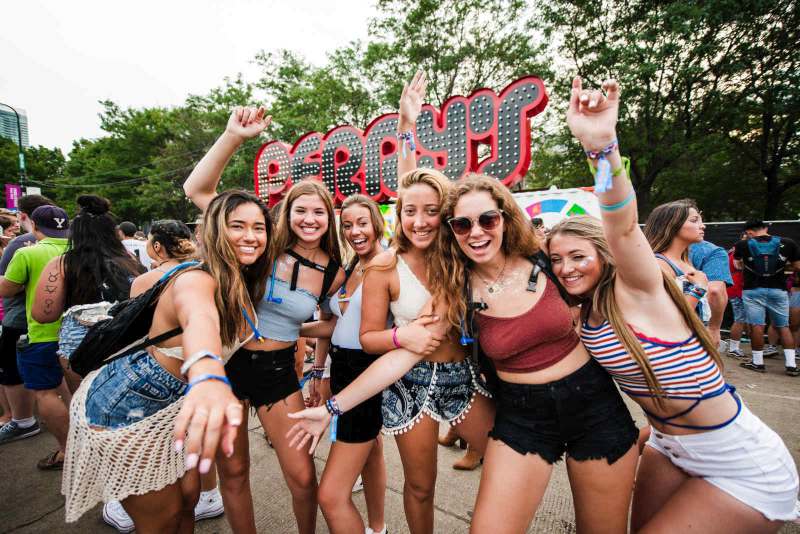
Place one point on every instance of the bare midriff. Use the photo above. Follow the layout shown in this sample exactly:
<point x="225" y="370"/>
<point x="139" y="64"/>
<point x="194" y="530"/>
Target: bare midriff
<point x="573" y="361"/>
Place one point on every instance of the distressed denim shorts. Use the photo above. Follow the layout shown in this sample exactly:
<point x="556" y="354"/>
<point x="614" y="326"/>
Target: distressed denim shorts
<point x="739" y="314"/>
<point x="76" y="322"/>
<point x="761" y="301"/>
<point x="130" y="389"/>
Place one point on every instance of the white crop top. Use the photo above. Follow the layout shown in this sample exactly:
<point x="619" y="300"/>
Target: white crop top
<point x="345" y="335"/>
<point x="413" y="295"/>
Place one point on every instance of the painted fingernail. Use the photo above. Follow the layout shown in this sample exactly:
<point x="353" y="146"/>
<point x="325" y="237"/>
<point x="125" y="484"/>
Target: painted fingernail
<point x="191" y="461"/>
<point x="205" y="465"/>
<point x="179" y="445"/>
<point x="593" y="103"/>
<point x="229" y="453"/>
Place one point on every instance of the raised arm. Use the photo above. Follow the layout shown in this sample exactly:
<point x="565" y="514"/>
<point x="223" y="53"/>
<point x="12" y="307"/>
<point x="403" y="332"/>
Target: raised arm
<point x="592" y="118"/>
<point x="244" y="123"/>
<point x="48" y="304"/>
<point x="410" y="105"/>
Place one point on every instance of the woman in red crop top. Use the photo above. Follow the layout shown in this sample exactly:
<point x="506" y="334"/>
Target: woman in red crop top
<point x="551" y="396"/>
<point x="710" y="464"/>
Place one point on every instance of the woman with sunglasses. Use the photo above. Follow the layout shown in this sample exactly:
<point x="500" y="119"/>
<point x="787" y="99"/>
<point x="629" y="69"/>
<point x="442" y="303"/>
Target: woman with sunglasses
<point x="429" y="379"/>
<point x="262" y="373"/>
<point x="710" y="465"/>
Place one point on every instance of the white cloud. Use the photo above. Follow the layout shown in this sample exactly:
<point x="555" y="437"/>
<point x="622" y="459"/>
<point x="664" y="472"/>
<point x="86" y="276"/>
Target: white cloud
<point x="61" y="58"/>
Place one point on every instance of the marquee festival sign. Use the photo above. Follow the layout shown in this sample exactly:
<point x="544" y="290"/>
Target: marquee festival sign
<point x="348" y="160"/>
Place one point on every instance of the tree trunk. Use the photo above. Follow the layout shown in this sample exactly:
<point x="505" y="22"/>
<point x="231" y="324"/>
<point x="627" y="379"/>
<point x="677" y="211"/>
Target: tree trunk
<point x="774" y="195"/>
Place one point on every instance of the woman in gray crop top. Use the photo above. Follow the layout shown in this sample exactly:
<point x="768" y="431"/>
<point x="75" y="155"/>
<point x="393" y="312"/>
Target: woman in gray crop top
<point x="429" y="378"/>
<point x="262" y="373"/>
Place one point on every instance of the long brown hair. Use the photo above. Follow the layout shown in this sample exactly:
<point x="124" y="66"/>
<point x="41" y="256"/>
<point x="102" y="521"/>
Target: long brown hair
<point x="605" y="302"/>
<point x="238" y="286"/>
<point x="518" y="239"/>
<point x="285" y="238"/>
<point x="376" y="219"/>
<point x="665" y="222"/>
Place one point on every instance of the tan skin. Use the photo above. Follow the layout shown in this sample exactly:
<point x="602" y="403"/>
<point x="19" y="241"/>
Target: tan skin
<point x="309" y="221"/>
<point x="512" y="484"/>
<point x="666" y="498"/>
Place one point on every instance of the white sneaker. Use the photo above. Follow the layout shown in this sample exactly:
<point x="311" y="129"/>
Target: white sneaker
<point x="209" y="505"/>
<point x="770" y="350"/>
<point x="116" y="516"/>
<point x="736" y="353"/>
<point x="359" y="485"/>
<point x="370" y="531"/>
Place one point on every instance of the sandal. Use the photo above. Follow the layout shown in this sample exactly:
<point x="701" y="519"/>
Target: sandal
<point x="51" y="462"/>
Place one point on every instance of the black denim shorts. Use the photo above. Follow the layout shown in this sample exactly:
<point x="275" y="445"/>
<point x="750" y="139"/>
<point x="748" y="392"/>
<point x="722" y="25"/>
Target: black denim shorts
<point x="262" y="377"/>
<point x="582" y="414"/>
<point x="362" y="423"/>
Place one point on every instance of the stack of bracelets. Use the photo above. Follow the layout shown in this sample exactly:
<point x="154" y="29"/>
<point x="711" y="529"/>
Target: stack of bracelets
<point x="696" y="291"/>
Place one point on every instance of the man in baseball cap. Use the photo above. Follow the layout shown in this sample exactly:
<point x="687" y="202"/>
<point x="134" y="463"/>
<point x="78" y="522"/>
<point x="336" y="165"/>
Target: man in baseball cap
<point x="37" y="359"/>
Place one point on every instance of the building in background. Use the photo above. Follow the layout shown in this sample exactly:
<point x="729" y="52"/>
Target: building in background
<point x="8" y="125"/>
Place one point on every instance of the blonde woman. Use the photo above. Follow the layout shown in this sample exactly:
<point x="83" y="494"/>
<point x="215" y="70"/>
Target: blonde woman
<point x="710" y="465"/>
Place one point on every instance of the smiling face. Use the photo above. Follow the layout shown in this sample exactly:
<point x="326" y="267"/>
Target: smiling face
<point x="358" y="229"/>
<point x="480" y="244"/>
<point x="576" y="263"/>
<point x="246" y="231"/>
<point x="308" y="219"/>
<point x="693" y="229"/>
<point x="420" y="215"/>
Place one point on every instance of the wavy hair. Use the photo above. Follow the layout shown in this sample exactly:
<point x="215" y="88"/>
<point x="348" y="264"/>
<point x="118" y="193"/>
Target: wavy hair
<point x="604" y="300"/>
<point x="665" y="222"/>
<point x="285" y="238"/>
<point x="518" y="239"/>
<point x="238" y="286"/>
<point x="376" y="219"/>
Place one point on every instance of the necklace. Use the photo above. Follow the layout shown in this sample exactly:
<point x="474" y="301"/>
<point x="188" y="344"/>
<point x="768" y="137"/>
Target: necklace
<point x="496" y="284"/>
<point x="161" y="268"/>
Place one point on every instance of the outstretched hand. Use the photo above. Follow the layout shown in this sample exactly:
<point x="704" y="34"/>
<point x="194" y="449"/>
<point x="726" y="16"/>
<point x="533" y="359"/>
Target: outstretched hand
<point x="246" y="122"/>
<point x="411" y="100"/>
<point x="311" y="425"/>
<point x="592" y="114"/>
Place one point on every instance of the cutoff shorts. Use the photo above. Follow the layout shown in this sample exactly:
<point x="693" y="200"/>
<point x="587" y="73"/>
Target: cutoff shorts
<point x="762" y="300"/>
<point x="794" y="299"/>
<point x="739" y="313"/>
<point x="129" y="389"/>
<point x="581" y="414"/>
<point x="262" y="377"/>
<point x="362" y="423"/>
<point x="39" y="366"/>
<point x="443" y="391"/>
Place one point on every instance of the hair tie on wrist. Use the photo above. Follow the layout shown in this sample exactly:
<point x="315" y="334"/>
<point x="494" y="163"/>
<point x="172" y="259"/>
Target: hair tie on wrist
<point x="206" y="378"/>
<point x="394" y="338"/>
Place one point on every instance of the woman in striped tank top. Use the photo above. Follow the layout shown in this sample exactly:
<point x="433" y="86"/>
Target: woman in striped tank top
<point x="710" y="464"/>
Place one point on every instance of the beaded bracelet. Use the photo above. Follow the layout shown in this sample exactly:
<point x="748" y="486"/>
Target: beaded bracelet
<point x="407" y="138"/>
<point x="317" y="372"/>
<point x="394" y="338"/>
<point x="206" y="378"/>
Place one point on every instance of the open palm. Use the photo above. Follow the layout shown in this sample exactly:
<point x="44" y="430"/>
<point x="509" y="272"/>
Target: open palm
<point x="246" y="122"/>
<point x="412" y="99"/>
<point x="592" y="115"/>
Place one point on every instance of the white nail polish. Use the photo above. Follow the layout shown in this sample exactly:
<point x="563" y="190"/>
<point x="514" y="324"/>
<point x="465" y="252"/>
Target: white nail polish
<point x="191" y="461"/>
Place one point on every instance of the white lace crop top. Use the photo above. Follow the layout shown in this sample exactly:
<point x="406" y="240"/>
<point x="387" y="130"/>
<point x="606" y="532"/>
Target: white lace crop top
<point x="413" y="295"/>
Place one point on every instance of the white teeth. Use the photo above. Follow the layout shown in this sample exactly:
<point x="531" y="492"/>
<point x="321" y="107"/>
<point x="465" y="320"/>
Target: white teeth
<point x="247" y="250"/>
<point x="359" y="241"/>
<point x="479" y="244"/>
<point x="422" y="234"/>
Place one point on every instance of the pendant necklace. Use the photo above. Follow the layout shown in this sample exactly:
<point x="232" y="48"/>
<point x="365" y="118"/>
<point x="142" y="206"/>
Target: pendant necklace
<point x="496" y="285"/>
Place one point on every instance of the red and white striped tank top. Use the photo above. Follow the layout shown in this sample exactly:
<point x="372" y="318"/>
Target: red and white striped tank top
<point x="684" y="369"/>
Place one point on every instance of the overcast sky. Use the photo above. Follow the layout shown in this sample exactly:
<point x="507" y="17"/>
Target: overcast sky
<point x="59" y="58"/>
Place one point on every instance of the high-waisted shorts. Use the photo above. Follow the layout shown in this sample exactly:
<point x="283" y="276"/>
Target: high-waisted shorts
<point x="443" y="391"/>
<point x="262" y="377"/>
<point x="130" y="389"/>
<point x="581" y="414"/>
<point x="746" y="459"/>
<point x="362" y="423"/>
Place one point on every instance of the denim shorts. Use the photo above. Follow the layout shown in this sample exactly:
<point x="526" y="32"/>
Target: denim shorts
<point x="739" y="313"/>
<point x="9" y="371"/>
<point x="794" y="299"/>
<point x="39" y="366"/>
<point x="362" y="423"/>
<point x="262" y="377"/>
<point x="762" y="300"/>
<point x="76" y="322"/>
<point x="581" y="414"/>
<point x="130" y="389"/>
<point x="443" y="391"/>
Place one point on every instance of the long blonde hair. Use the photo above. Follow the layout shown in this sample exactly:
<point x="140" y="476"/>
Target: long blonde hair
<point x="376" y="219"/>
<point x="518" y="239"/>
<point x="238" y="286"/>
<point x="605" y="302"/>
<point x="285" y="238"/>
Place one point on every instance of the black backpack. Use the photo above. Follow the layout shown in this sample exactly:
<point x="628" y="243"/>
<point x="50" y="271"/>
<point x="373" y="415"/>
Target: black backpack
<point x="126" y="331"/>
<point x="469" y="329"/>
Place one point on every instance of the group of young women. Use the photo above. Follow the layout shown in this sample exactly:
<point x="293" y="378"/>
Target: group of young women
<point x="551" y="332"/>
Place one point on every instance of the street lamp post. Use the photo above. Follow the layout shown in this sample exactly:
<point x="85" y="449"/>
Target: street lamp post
<point x="21" y="149"/>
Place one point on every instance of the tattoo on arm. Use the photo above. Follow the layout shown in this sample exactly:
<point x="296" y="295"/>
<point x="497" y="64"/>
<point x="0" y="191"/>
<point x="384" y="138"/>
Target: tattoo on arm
<point x="52" y="277"/>
<point x="48" y="305"/>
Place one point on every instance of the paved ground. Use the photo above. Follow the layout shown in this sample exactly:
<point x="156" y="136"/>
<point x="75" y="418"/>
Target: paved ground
<point x="30" y="501"/>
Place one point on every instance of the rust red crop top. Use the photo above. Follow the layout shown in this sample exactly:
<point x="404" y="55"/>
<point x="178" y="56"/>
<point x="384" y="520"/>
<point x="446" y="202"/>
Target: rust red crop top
<point x="535" y="340"/>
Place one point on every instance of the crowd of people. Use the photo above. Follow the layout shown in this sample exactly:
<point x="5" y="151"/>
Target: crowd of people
<point x="522" y="339"/>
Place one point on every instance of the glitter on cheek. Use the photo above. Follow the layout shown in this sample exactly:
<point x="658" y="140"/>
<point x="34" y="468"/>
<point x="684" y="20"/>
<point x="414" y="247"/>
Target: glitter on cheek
<point x="586" y="261"/>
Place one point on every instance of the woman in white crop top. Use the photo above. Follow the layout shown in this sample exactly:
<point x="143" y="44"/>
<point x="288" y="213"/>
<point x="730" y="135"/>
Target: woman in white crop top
<point x="399" y="281"/>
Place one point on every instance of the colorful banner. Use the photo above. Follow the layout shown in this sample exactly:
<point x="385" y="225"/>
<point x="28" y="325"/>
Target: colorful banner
<point x="349" y="161"/>
<point x="13" y="192"/>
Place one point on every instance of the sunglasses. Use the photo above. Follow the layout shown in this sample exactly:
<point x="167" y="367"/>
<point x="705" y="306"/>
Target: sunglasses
<point x="487" y="220"/>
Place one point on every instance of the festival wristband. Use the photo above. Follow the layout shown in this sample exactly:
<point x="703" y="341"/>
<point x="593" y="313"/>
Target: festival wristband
<point x="317" y="372"/>
<point x="206" y="378"/>
<point x="196" y="357"/>
<point x="697" y="292"/>
<point x="619" y="205"/>
<point x="333" y="407"/>
<point x="407" y="138"/>
<point x="394" y="338"/>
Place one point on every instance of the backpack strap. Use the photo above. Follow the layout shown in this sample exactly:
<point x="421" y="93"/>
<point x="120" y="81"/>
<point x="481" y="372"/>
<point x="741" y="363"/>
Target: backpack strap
<point x="143" y="343"/>
<point x="541" y="263"/>
<point x="328" y="278"/>
<point x="300" y="260"/>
